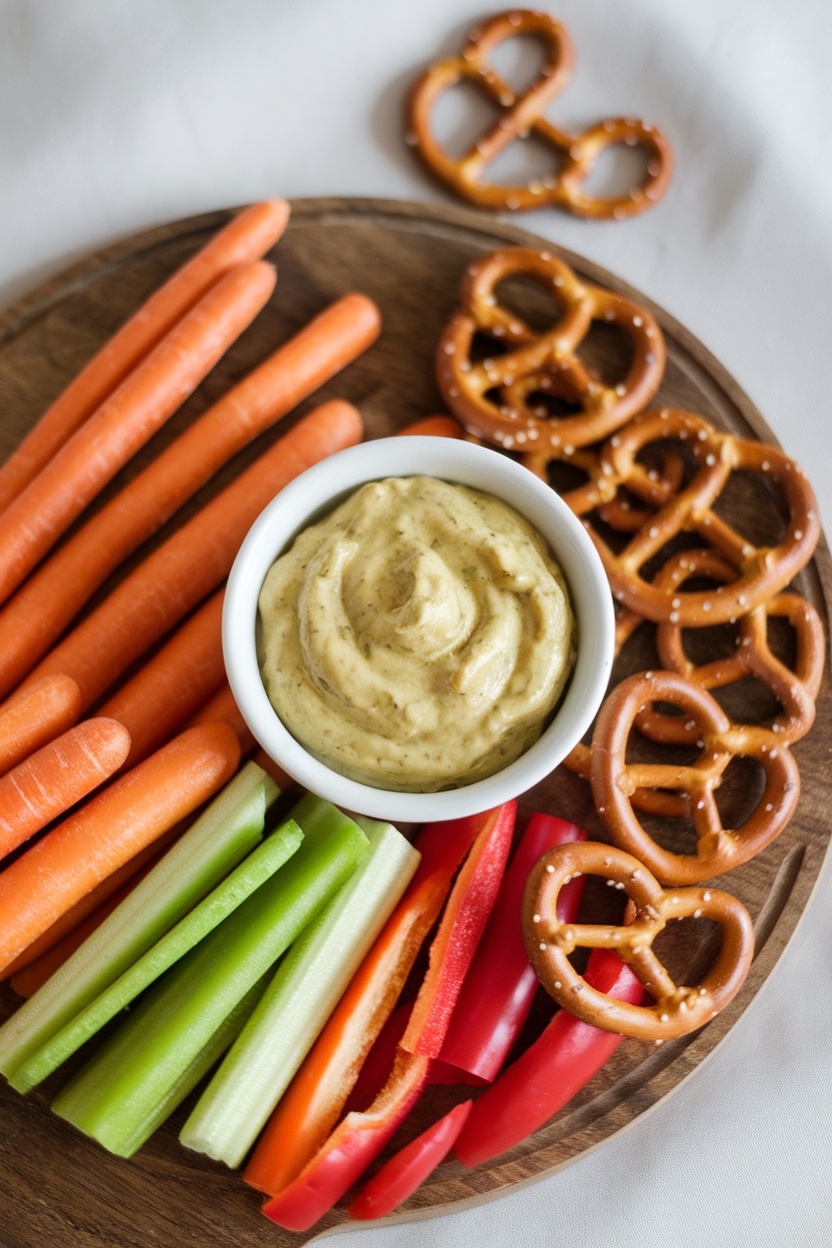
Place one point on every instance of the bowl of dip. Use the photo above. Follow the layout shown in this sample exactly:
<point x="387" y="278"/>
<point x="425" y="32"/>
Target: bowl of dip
<point x="418" y="629"/>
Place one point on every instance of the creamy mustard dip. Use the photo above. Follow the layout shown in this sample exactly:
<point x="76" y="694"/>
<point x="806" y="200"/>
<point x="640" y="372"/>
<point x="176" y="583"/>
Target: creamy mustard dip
<point x="418" y="637"/>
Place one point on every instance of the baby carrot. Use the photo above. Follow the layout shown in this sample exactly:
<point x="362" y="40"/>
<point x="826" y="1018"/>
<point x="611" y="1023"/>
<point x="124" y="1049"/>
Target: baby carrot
<point x="36" y="716"/>
<point x="57" y="776"/>
<point x="31" y="525"/>
<point x="247" y="237"/>
<point x="194" y="561"/>
<point x="156" y="702"/>
<point x="130" y="813"/>
<point x="43" y="607"/>
<point x="223" y="707"/>
<point x="434" y="427"/>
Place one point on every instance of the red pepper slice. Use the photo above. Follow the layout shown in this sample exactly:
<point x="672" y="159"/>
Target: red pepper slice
<point x="549" y="1073"/>
<point x="314" y="1100"/>
<point x="360" y="1137"/>
<point x="501" y="985"/>
<point x="399" y="1177"/>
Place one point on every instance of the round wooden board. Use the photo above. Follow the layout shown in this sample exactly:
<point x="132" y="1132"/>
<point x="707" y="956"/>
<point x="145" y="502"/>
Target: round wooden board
<point x="58" y="1187"/>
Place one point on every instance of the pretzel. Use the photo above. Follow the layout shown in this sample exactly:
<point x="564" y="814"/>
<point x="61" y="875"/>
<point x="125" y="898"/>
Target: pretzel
<point x="760" y="571"/>
<point x="676" y="1010"/>
<point x="542" y="363"/>
<point x="689" y="788"/>
<point x="575" y="155"/>
<point x="795" y="690"/>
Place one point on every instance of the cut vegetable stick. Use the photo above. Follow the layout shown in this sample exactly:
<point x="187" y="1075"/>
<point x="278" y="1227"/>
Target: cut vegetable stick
<point x="57" y="776"/>
<point x="281" y="778"/>
<point x="31" y="525"/>
<point x="297" y="1003"/>
<point x="130" y="813"/>
<point x="32" y="977"/>
<point x="115" y="1097"/>
<point x="36" y="716"/>
<point x="33" y="619"/>
<point x="222" y="706"/>
<point x="157" y="701"/>
<point x="220" y="838"/>
<point x="259" y="866"/>
<point x="247" y="237"/>
<point x="121" y="881"/>
<point x="194" y="561"/>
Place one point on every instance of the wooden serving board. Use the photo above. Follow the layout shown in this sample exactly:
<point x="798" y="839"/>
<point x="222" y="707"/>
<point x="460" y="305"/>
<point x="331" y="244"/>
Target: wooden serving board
<point x="58" y="1187"/>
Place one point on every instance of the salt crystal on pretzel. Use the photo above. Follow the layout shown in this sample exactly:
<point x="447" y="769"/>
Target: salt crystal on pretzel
<point x="491" y="397"/>
<point x="676" y="1010"/>
<point x="575" y="155"/>
<point x="687" y="789"/>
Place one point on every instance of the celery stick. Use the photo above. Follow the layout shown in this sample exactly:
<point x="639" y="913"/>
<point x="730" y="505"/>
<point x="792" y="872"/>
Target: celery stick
<point x="226" y="897"/>
<point x="116" y="1097"/>
<point x="308" y="985"/>
<point x="220" y="838"/>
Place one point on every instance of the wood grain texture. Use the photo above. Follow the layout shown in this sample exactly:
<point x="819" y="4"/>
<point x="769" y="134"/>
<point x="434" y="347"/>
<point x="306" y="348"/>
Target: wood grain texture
<point x="59" y="1187"/>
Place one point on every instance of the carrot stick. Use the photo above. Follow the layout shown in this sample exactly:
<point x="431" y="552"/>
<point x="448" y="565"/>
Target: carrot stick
<point x="56" y="777"/>
<point x="223" y="707"/>
<point x="157" y="701"/>
<point x="36" y="716"/>
<point x="434" y="427"/>
<point x="26" y="982"/>
<point x="129" y="814"/>
<point x="247" y="237"/>
<point x="46" y="604"/>
<point x="193" y="562"/>
<point x="32" y="524"/>
<point x="125" y="878"/>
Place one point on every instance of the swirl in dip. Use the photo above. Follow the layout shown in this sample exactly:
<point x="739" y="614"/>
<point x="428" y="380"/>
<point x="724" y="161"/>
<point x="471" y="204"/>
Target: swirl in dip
<point x="418" y="637"/>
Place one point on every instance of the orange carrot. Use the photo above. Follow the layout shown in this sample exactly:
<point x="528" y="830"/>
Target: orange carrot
<point x="247" y="237"/>
<point x="434" y="427"/>
<point x="26" y="982"/>
<point x="57" y="776"/>
<point x="194" y="561"/>
<point x="224" y="708"/>
<point x="46" y="604"/>
<point x="125" y="878"/>
<point x="156" y="702"/>
<point x="36" y="716"/>
<point x="31" y="525"/>
<point x="129" y="814"/>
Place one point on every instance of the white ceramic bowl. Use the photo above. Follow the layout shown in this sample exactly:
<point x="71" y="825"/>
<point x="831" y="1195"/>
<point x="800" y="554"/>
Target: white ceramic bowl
<point x="316" y="492"/>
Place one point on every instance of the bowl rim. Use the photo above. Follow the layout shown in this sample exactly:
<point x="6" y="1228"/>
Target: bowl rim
<point x="320" y="489"/>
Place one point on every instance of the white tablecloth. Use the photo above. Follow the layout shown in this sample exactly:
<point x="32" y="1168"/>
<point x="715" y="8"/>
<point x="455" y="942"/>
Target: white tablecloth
<point x="120" y="114"/>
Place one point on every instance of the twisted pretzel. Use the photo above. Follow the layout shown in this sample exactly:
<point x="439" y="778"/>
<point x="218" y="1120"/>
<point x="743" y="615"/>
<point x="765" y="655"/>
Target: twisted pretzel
<point x="544" y="363"/>
<point x="760" y="571"/>
<point x="676" y="1010"/>
<point x="795" y="690"/>
<point x="687" y="790"/>
<point x="576" y="155"/>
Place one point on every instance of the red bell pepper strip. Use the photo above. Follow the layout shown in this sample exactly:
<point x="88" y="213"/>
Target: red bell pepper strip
<point x="399" y="1177"/>
<point x="501" y="984"/>
<point x="313" y="1102"/>
<point x="550" y="1072"/>
<point x="360" y="1137"/>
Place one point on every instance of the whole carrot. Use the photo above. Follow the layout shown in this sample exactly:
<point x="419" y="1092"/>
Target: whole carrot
<point x="45" y="881"/>
<point x="31" y="525"/>
<point x="57" y="776"/>
<point x="247" y="237"/>
<point x="33" y="619"/>
<point x="157" y="700"/>
<point x="194" y="561"/>
<point x="37" y="715"/>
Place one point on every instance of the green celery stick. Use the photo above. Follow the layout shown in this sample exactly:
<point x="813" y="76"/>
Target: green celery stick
<point x="117" y="1097"/>
<point x="253" y="871"/>
<point x="308" y="985"/>
<point x="219" y="839"/>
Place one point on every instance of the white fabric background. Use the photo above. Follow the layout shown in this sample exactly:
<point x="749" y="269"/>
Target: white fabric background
<point x="120" y="114"/>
